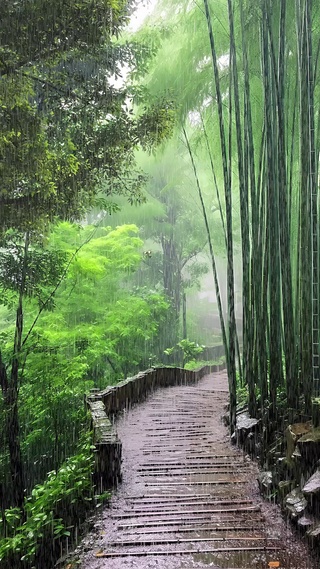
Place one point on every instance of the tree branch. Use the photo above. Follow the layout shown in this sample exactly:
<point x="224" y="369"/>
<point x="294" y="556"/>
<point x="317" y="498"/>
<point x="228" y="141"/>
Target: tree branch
<point x="194" y="254"/>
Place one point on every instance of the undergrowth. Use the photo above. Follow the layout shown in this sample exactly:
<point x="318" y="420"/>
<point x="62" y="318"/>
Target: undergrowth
<point x="38" y="534"/>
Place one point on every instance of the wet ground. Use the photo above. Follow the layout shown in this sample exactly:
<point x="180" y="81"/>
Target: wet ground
<point x="188" y="498"/>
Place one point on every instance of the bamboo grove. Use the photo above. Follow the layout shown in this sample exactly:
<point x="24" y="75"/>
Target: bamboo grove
<point x="261" y="135"/>
<point x="269" y="150"/>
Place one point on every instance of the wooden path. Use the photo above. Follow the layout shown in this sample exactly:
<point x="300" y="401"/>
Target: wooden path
<point x="188" y="498"/>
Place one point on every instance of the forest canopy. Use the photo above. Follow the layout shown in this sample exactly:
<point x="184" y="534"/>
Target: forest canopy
<point x="65" y="129"/>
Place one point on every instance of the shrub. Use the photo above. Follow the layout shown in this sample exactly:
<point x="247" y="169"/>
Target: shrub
<point x="50" y="513"/>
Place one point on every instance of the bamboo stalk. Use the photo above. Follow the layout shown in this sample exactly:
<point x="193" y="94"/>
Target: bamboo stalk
<point x="212" y="256"/>
<point x="228" y="204"/>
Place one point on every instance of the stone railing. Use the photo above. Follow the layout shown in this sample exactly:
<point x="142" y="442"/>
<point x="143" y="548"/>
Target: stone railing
<point x="105" y="405"/>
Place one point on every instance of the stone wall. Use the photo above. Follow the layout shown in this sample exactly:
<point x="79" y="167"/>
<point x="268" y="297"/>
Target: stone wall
<point x="292" y="475"/>
<point x="107" y="472"/>
<point x="105" y="405"/>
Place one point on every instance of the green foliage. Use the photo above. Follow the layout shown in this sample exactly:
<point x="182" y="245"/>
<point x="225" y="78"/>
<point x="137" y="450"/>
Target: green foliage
<point x="182" y="66"/>
<point x="101" y="328"/>
<point x="55" y="23"/>
<point x="186" y="349"/>
<point x="31" y="271"/>
<point x="65" y="130"/>
<point x="110" y="330"/>
<point x="65" y="133"/>
<point x="51" y="407"/>
<point x="155" y="125"/>
<point x="196" y="364"/>
<point x="51" y="511"/>
<point x="242" y="395"/>
<point x="190" y="349"/>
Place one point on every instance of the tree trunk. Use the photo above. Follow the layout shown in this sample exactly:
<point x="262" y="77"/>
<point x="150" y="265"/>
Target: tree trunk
<point x="184" y="316"/>
<point x="231" y="361"/>
<point x="172" y="286"/>
<point x="10" y="393"/>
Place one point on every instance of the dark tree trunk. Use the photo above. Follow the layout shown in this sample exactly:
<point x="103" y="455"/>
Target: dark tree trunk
<point x="171" y="274"/>
<point x="184" y="316"/>
<point x="10" y="393"/>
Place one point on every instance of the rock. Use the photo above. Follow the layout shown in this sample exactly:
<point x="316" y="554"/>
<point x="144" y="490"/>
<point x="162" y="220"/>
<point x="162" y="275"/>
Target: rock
<point x="295" y="503"/>
<point x="305" y="522"/>
<point x="265" y="480"/>
<point x="309" y="446"/>
<point x="245" y="426"/>
<point x="314" y="532"/>
<point x="245" y="422"/>
<point x="300" y="429"/>
<point x="293" y="434"/>
<point x="312" y="486"/>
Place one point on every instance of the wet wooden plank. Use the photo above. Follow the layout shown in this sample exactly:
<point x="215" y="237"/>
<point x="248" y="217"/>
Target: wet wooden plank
<point x="171" y="514"/>
<point x="185" y="551"/>
<point x="146" y="542"/>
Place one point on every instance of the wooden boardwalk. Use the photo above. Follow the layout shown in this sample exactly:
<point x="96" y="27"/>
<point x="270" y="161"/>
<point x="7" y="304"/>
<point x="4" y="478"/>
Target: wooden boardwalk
<point x="188" y="498"/>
